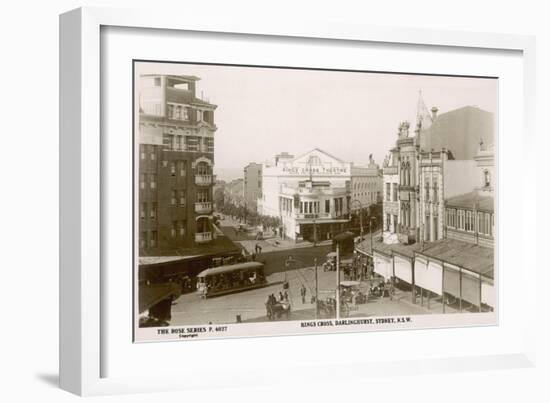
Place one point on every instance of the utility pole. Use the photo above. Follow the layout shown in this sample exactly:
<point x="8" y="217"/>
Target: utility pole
<point x="371" y="250"/>
<point x="314" y="224"/>
<point x="287" y="263"/>
<point x="337" y="280"/>
<point x="316" y="292"/>
<point x="361" y="221"/>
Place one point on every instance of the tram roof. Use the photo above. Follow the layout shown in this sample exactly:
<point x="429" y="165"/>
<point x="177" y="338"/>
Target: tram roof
<point x="229" y="268"/>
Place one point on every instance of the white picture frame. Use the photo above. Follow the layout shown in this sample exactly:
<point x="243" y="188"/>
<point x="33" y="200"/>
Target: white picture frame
<point x="82" y="344"/>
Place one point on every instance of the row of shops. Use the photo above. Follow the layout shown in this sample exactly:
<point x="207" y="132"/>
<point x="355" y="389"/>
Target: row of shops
<point x="162" y="279"/>
<point x="451" y="269"/>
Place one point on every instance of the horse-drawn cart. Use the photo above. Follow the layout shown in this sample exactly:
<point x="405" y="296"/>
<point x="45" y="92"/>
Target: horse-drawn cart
<point x="276" y="310"/>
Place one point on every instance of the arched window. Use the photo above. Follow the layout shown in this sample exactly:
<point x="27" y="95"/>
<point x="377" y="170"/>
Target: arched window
<point x="314" y="160"/>
<point x="487" y="178"/>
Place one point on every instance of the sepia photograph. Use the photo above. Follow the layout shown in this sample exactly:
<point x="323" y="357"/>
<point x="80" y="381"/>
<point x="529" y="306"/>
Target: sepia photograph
<point x="271" y="200"/>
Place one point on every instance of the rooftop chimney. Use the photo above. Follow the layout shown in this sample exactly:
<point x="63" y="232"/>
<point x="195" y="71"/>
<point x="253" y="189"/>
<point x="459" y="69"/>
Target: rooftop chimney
<point x="434" y="113"/>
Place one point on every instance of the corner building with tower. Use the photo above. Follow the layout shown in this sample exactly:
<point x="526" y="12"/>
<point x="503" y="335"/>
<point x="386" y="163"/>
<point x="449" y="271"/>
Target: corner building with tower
<point x="176" y="161"/>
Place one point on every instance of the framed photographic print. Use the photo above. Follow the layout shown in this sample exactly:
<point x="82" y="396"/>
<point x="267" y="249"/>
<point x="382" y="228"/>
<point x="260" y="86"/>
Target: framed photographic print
<point x="318" y="184"/>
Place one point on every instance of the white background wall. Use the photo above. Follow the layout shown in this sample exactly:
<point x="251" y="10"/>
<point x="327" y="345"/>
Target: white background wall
<point x="29" y="106"/>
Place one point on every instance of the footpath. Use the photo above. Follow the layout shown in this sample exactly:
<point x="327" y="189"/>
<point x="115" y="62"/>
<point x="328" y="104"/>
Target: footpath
<point x="269" y="242"/>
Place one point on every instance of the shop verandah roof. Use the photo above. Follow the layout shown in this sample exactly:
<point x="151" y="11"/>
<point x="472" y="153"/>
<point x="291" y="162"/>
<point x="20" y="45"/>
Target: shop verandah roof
<point x="468" y="200"/>
<point x="475" y="258"/>
<point x="469" y="256"/>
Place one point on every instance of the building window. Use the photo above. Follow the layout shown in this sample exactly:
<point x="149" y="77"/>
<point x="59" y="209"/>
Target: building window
<point x="142" y="151"/>
<point x="460" y="225"/>
<point x="178" y="142"/>
<point x="153" y="181"/>
<point x="174" y="230"/>
<point x="173" y="198"/>
<point x="153" y="156"/>
<point x="427" y="228"/>
<point x="405" y="176"/>
<point x="172" y="142"/>
<point x="172" y="168"/>
<point x="182" y="168"/>
<point x="142" y="181"/>
<point x="182" y="198"/>
<point x="153" y="211"/>
<point x="143" y="211"/>
<point x="210" y="143"/>
<point x="435" y="190"/>
<point x="192" y="143"/>
<point x="427" y="190"/>
<point x="199" y="116"/>
<point x="449" y="218"/>
<point x="388" y="222"/>
<point x="487" y="178"/>
<point x="143" y="239"/>
<point x="395" y="192"/>
<point x="202" y="169"/>
<point x="469" y="221"/>
<point x="157" y="81"/>
<point x="182" y="228"/>
<point x="388" y="191"/>
<point x="453" y="218"/>
<point x="153" y="240"/>
<point x="327" y="206"/>
<point x="202" y="196"/>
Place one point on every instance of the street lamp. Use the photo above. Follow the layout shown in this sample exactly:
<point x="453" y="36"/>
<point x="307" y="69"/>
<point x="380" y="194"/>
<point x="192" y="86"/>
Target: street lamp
<point x="316" y="289"/>
<point x="371" y="250"/>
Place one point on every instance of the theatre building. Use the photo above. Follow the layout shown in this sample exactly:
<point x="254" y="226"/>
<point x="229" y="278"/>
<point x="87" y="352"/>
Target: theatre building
<point x="311" y="194"/>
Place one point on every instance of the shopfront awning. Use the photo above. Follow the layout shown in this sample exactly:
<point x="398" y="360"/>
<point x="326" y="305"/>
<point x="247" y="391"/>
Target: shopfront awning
<point x="152" y="294"/>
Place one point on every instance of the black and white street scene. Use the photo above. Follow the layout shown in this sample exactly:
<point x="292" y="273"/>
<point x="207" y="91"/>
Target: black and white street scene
<point x="275" y="195"/>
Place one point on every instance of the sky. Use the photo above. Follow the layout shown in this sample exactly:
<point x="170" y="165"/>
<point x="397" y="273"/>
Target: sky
<point x="264" y="111"/>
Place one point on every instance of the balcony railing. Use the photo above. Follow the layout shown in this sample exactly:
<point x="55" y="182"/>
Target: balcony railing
<point x="203" y="207"/>
<point x="203" y="180"/>
<point x="202" y="237"/>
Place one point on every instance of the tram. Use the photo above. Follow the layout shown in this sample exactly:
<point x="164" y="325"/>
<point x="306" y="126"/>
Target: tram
<point x="230" y="278"/>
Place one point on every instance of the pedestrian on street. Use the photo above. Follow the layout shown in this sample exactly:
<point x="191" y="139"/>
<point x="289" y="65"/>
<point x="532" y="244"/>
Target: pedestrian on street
<point x="281" y="297"/>
<point x="303" y="292"/>
<point x="286" y="296"/>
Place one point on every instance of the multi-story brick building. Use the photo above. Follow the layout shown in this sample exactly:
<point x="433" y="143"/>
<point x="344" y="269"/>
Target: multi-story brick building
<point x="252" y="185"/>
<point x="176" y="160"/>
<point x="366" y="185"/>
